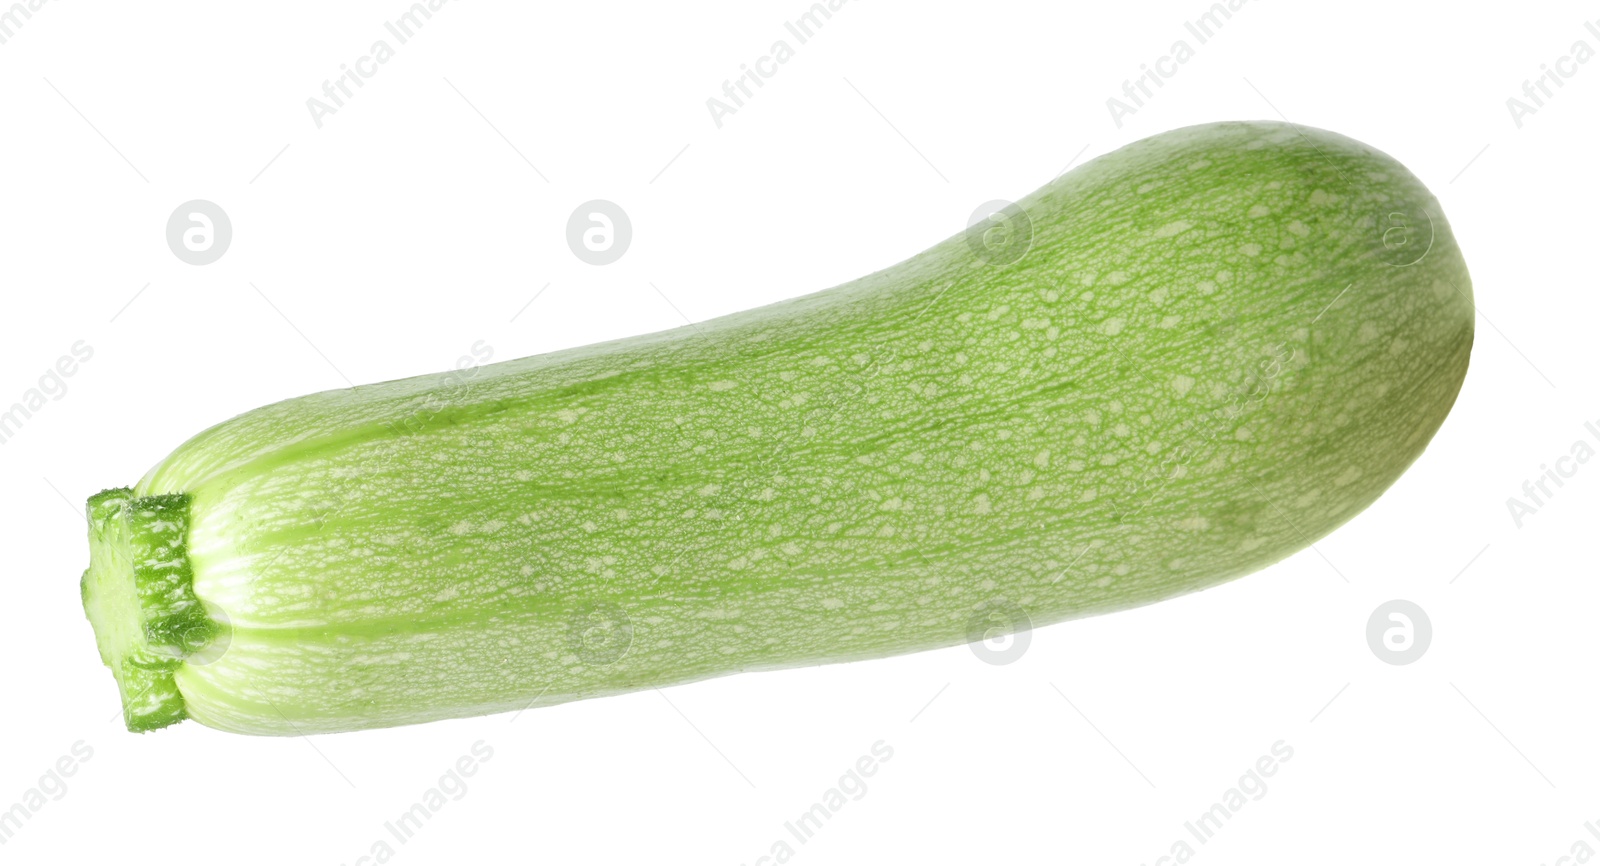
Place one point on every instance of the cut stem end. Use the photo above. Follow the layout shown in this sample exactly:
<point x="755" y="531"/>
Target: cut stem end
<point x="138" y="593"/>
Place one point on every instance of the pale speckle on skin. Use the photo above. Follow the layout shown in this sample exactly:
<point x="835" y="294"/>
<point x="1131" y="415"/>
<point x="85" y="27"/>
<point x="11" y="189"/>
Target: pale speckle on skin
<point x="1260" y="210"/>
<point x="1173" y="228"/>
<point x="1182" y="384"/>
<point x="1251" y="249"/>
<point x="1113" y="326"/>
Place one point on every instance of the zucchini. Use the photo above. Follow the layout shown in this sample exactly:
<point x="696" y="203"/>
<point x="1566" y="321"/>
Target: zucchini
<point x="1174" y="365"/>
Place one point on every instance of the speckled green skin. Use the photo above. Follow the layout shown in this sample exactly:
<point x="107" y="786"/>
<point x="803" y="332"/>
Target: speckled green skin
<point x="1208" y="358"/>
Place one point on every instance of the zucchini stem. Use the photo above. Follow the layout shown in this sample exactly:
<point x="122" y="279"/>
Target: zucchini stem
<point x="139" y="595"/>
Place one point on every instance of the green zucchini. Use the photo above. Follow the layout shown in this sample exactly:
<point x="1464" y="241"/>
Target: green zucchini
<point x="1174" y="365"/>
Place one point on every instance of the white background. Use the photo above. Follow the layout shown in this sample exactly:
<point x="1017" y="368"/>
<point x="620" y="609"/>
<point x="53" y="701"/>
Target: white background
<point x="409" y="226"/>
